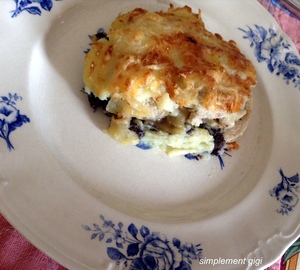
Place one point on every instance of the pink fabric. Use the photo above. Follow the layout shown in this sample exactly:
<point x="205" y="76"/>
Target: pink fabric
<point x="18" y="254"/>
<point x="277" y="266"/>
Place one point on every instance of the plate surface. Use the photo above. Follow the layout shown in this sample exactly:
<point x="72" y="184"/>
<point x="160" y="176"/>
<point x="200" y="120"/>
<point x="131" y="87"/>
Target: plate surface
<point x="91" y="203"/>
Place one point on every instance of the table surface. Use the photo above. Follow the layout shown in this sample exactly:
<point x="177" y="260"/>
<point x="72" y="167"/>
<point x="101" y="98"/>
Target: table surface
<point x="17" y="253"/>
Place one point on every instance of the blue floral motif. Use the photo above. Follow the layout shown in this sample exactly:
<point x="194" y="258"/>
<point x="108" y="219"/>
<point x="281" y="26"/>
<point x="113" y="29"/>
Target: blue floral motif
<point x="32" y="6"/>
<point x="285" y="193"/>
<point x="271" y="48"/>
<point x="141" y="249"/>
<point x="143" y="146"/>
<point x="10" y="117"/>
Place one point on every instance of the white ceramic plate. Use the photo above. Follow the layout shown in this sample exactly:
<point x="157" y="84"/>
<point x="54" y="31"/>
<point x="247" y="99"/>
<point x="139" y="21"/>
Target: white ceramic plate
<point x="91" y="203"/>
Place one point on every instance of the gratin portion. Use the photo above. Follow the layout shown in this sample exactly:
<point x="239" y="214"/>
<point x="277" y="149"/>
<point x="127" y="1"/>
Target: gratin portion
<point x="167" y="82"/>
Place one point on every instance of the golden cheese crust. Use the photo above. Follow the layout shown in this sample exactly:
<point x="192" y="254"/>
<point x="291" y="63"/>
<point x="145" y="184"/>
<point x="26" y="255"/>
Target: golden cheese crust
<point x="170" y="84"/>
<point x="150" y="54"/>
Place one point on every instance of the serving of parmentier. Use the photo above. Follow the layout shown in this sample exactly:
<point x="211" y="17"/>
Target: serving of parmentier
<point x="169" y="83"/>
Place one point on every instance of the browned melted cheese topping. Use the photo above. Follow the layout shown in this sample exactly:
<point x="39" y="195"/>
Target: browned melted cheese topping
<point x="169" y="52"/>
<point x="166" y="78"/>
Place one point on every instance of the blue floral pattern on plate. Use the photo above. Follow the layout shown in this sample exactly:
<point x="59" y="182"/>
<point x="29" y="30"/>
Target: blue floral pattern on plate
<point x="271" y="48"/>
<point x="285" y="193"/>
<point x="33" y="7"/>
<point x="10" y="117"/>
<point x="141" y="249"/>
